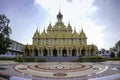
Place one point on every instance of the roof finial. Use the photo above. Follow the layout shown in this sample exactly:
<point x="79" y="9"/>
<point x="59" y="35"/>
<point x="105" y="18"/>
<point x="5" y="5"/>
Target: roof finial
<point x="59" y="16"/>
<point x="81" y="29"/>
<point x="69" y="22"/>
<point x="37" y="29"/>
<point x="44" y="28"/>
<point x="59" y="7"/>
<point x="50" y="23"/>
<point x="74" y="29"/>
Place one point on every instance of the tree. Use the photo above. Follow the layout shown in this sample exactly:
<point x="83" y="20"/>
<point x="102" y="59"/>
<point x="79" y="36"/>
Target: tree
<point x="5" y="32"/>
<point x="103" y="50"/>
<point x="112" y="55"/>
<point x="118" y="54"/>
<point x="117" y="45"/>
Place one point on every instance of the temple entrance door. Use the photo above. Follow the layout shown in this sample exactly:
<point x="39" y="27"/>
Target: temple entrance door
<point x="74" y="52"/>
<point x="64" y="52"/>
<point x="83" y="52"/>
<point x="54" y="52"/>
<point x="36" y="52"/>
<point x="45" y="52"/>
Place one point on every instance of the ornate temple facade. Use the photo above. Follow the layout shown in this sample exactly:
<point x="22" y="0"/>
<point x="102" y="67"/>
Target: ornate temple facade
<point x="60" y="40"/>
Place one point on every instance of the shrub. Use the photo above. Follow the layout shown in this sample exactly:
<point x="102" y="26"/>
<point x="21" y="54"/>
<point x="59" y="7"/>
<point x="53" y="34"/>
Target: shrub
<point x="6" y="58"/>
<point x="114" y="59"/>
<point x="25" y="59"/>
<point x="112" y="54"/>
<point x="91" y="59"/>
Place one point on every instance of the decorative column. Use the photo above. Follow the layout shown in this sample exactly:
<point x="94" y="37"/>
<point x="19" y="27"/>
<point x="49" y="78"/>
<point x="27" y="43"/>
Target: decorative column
<point x="32" y="52"/>
<point x="57" y="52"/>
<point x="80" y="51"/>
<point x="61" y="52"/>
<point x="77" y="53"/>
<point x="41" y="52"/>
<point x="48" y="52"/>
<point x="51" y="52"/>
<point x="67" y="52"/>
<point x="70" y="52"/>
<point x="38" y="52"/>
<point x="85" y="52"/>
<point x="89" y="52"/>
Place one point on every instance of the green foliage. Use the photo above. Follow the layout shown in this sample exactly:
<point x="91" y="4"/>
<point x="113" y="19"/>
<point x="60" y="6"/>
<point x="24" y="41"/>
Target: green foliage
<point x="6" y="58"/>
<point x="118" y="55"/>
<point x="114" y="59"/>
<point x="117" y="44"/>
<point x="112" y="55"/>
<point x="91" y="59"/>
<point x="5" y="32"/>
<point x="25" y="59"/>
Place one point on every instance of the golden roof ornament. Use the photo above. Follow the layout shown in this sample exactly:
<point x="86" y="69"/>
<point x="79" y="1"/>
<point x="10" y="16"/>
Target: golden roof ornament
<point x="36" y="34"/>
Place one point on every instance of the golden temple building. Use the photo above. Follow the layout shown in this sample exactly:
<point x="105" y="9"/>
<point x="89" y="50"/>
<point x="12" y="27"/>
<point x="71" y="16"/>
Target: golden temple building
<point x="60" y="40"/>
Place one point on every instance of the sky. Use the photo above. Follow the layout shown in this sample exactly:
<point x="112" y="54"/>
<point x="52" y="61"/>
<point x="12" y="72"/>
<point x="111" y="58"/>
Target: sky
<point x="98" y="18"/>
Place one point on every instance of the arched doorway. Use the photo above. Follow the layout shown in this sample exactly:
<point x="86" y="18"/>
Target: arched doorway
<point x="45" y="52"/>
<point x="74" y="52"/>
<point x="64" y="52"/>
<point x="54" y="52"/>
<point x="83" y="52"/>
<point x="36" y="52"/>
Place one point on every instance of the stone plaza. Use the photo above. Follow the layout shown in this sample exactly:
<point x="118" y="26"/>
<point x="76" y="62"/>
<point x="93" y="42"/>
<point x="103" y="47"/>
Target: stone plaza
<point x="62" y="70"/>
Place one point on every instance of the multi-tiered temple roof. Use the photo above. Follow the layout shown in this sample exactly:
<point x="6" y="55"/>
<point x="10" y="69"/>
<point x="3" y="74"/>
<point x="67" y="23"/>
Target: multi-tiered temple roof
<point x="60" y="28"/>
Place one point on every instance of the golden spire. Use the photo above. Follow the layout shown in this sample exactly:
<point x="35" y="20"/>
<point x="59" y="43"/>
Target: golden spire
<point x="74" y="29"/>
<point x="82" y="34"/>
<point x="81" y="29"/>
<point x="36" y="34"/>
<point x="44" y="29"/>
<point x="59" y="16"/>
<point x="75" y="34"/>
<point x="43" y="34"/>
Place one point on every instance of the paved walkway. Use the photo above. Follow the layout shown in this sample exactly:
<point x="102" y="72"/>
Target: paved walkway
<point x="111" y="77"/>
<point x="7" y="62"/>
<point x="77" y="70"/>
<point x="113" y="68"/>
<point x="2" y="78"/>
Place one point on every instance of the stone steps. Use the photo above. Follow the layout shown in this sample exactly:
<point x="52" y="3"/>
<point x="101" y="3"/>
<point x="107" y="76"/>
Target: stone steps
<point x="60" y="59"/>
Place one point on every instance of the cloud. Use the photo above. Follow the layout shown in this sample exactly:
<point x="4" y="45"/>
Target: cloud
<point x="79" y="13"/>
<point x="70" y="0"/>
